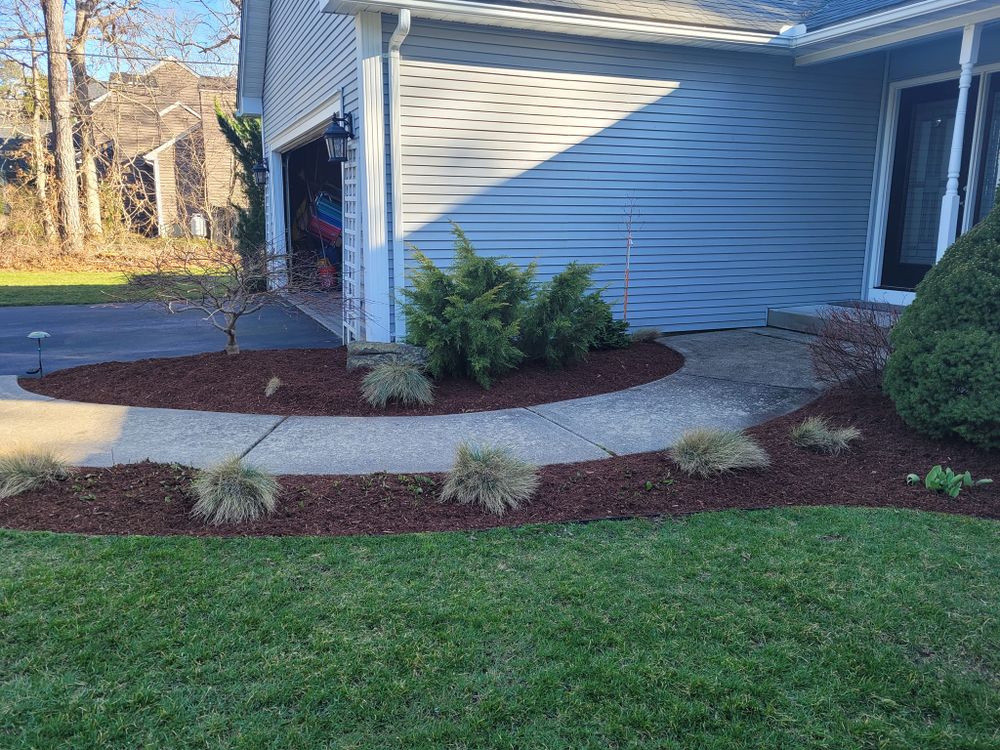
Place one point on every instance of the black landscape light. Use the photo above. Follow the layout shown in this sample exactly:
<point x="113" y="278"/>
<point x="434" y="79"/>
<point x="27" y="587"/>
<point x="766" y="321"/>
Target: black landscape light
<point x="38" y="336"/>
<point x="341" y="130"/>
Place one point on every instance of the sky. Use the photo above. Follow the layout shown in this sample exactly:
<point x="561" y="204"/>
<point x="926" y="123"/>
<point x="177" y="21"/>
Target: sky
<point x="158" y="29"/>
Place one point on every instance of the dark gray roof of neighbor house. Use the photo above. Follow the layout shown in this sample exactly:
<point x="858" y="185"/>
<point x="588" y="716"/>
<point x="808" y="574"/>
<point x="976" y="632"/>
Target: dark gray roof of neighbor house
<point x="217" y="83"/>
<point x="760" y="15"/>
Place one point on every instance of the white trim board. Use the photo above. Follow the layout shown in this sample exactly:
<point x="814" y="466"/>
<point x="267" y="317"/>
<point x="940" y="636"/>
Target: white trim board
<point x="854" y="36"/>
<point x="561" y="22"/>
<point x="887" y="149"/>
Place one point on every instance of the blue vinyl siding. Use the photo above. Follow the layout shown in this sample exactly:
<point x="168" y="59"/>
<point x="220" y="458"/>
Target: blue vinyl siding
<point x="751" y="177"/>
<point x="310" y="56"/>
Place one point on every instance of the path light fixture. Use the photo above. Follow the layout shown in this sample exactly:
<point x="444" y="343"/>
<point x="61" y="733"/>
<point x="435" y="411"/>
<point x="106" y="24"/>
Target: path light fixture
<point x="38" y="336"/>
<point x="260" y="171"/>
<point x="341" y="130"/>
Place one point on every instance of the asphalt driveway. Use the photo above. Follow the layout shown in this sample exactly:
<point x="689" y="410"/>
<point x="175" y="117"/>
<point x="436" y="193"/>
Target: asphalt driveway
<point x="84" y="334"/>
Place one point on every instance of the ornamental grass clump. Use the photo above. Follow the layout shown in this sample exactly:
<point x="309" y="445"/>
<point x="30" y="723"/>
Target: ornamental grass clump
<point x="491" y="477"/>
<point x="708" y="452"/>
<point x="816" y="434"/>
<point x="23" y="470"/>
<point x="234" y="492"/>
<point x="272" y="386"/>
<point x="645" y="335"/>
<point x="400" y="382"/>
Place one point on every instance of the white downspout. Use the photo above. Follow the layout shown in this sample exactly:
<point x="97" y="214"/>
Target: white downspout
<point x="396" y="189"/>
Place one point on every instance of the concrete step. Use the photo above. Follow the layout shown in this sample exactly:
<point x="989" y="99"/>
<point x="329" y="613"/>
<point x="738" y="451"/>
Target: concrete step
<point x="810" y="318"/>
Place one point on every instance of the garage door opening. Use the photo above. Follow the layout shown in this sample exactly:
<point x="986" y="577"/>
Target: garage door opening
<point x="314" y="217"/>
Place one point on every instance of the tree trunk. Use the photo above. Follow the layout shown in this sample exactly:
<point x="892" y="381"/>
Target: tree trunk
<point x="62" y="126"/>
<point x="231" y="346"/>
<point x="38" y="153"/>
<point x="88" y="146"/>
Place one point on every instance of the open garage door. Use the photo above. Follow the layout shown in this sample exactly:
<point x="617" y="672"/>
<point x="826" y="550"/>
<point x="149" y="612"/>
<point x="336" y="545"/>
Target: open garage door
<point x="314" y="215"/>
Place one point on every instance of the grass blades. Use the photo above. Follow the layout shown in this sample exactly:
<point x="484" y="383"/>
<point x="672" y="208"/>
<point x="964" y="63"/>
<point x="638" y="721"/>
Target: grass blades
<point x="234" y="492"/>
<point x="836" y="628"/>
<point x="23" y="470"/>
<point x="396" y="382"/>
<point x="707" y="452"/>
<point x="491" y="477"/>
<point x="816" y="434"/>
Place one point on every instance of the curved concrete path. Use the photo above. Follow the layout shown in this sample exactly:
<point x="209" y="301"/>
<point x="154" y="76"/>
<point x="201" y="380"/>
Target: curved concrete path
<point x="731" y="379"/>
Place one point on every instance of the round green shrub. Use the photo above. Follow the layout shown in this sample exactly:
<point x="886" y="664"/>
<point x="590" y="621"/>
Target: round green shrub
<point x="944" y="372"/>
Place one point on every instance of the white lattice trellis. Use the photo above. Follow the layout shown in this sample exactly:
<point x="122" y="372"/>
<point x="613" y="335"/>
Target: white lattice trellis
<point x="353" y="279"/>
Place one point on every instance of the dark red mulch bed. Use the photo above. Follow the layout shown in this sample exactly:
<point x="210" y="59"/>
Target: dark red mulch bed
<point x="316" y="381"/>
<point x="153" y="499"/>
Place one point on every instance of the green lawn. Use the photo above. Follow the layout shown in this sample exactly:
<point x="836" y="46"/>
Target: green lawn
<point x="68" y="288"/>
<point x="64" y="288"/>
<point x="818" y="628"/>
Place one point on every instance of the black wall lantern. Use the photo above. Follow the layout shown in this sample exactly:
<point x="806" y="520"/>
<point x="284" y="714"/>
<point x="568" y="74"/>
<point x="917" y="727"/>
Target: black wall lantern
<point x="260" y="174"/>
<point x="341" y="130"/>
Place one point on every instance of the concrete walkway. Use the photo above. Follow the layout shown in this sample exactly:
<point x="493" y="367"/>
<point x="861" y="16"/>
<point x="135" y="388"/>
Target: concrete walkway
<point x="731" y="379"/>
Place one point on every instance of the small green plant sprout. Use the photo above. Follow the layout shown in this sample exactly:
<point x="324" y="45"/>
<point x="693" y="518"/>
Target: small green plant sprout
<point x="234" y="492"/>
<point x="947" y="481"/>
<point x="22" y="470"/>
<point x="644" y="335"/>
<point x="491" y="477"/>
<point x="401" y="382"/>
<point x="707" y="452"/>
<point x="273" y="385"/>
<point x="816" y="434"/>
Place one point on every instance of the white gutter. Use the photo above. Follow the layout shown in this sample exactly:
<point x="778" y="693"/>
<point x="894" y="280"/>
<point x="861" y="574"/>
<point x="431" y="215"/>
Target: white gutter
<point x="560" y="22"/>
<point x="398" y="331"/>
<point x="796" y="39"/>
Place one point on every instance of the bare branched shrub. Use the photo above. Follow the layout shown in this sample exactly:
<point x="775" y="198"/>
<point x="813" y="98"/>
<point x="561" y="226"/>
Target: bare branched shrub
<point x="214" y="281"/>
<point x="234" y="492"/>
<point x="816" y="434"/>
<point x="707" y="452"/>
<point x="491" y="477"/>
<point x="24" y="470"/>
<point x="853" y="344"/>
<point x="400" y="382"/>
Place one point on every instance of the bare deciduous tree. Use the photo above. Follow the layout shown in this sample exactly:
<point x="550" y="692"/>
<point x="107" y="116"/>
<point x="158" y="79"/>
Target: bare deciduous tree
<point x="214" y="281"/>
<point x="62" y="125"/>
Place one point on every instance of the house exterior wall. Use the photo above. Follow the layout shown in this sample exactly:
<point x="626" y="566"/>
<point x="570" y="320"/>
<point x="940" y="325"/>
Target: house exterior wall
<point x="310" y="56"/>
<point x="751" y="179"/>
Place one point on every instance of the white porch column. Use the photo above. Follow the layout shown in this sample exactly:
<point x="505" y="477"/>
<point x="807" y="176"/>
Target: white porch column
<point x="948" y="227"/>
<point x="371" y="179"/>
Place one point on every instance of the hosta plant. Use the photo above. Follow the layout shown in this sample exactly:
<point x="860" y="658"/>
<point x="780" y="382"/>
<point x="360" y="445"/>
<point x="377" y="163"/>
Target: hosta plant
<point x="947" y="481"/>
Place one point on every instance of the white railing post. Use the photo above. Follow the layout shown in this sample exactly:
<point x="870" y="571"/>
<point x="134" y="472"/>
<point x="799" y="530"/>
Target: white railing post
<point x="950" y="203"/>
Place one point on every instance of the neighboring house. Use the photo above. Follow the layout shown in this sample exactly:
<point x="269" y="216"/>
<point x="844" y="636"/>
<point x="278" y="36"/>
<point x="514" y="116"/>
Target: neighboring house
<point x="162" y="124"/>
<point x="776" y="154"/>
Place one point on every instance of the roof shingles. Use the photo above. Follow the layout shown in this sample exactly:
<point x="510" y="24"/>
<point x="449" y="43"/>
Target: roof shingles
<point x="757" y="15"/>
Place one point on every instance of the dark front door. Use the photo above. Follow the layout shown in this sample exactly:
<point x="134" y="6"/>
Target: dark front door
<point x="924" y="128"/>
